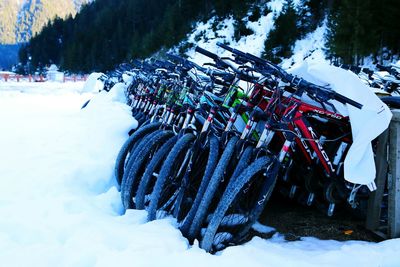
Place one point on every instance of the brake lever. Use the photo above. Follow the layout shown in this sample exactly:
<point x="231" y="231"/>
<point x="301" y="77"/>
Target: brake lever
<point x="329" y="104"/>
<point x="323" y="99"/>
<point x="228" y="58"/>
<point x="210" y="64"/>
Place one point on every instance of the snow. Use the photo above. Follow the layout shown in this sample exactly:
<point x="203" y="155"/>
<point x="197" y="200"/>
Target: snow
<point x="59" y="205"/>
<point x="206" y="35"/>
<point x="311" y="46"/>
<point x="276" y="6"/>
<point x="261" y="228"/>
<point x="206" y="38"/>
<point x="93" y="84"/>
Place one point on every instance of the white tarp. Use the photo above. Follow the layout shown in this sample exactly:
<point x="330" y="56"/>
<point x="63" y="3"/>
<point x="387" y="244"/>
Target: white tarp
<point x="366" y="124"/>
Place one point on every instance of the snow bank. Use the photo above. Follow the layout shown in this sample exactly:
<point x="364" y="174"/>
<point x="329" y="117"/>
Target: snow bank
<point x="127" y="78"/>
<point x="93" y="84"/>
<point x="117" y="93"/>
<point x="42" y="87"/>
<point x="59" y="205"/>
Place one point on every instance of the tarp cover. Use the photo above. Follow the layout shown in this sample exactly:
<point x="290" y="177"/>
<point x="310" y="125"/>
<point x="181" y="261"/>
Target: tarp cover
<point x="366" y="124"/>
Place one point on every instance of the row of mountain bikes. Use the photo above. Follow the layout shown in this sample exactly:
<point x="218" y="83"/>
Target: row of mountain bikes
<point x="215" y="141"/>
<point x="386" y="79"/>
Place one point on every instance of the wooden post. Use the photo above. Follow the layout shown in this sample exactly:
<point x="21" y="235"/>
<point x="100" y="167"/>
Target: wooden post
<point x="30" y="78"/>
<point x="394" y="177"/>
<point x="5" y="77"/>
<point x="375" y="200"/>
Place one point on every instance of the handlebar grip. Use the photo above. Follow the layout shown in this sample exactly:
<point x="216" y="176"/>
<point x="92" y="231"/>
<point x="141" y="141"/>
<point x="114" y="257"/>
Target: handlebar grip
<point x="345" y="66"/>
<point x="264" y="65"/>
<point x="381" y="67"/>
<point x="367" y="71"/>
<point x="206" y="53"/>
<point x="232" y="50"/>
<point x="136" y="63"/>
<point x="175" y="58"/>
<point x="238" y="52"/>
<point x="226" y="47"/>
<point x="185" y="62"/>
<point x="355" y="69"/>
<point x="346" y="100"/>
<point x="159" y="64"/>
<point x="255" y="58"/>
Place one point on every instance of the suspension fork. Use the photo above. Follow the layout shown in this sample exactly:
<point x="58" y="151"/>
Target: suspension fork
<point x="153" y="107"/>
<point x="249" y="128"/>
<point x="143" y="104"/>
<point x="139" y="102"/>
<point x="316" y="145"/>
<point x="274" y="167"/>
<point x="171" y="116"/>
<point x="266" y="136"/>
<point x="135" y="101"/>
<point x="208" y="121"/>
<point x="148" y="103"/>
<point x="188" y="118"/>
<point x="166" y="114"/>
<point x="155" y="112"/>
<point x="338" y="159"/>
<point x="231" y="121"/>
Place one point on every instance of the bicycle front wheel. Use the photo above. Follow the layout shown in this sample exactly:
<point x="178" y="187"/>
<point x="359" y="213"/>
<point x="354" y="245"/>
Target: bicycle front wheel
<point x="241" y="204"/>
<point x="168" y="180"/>
<point x="128" y="147"/>
<point x="130" y="183"/>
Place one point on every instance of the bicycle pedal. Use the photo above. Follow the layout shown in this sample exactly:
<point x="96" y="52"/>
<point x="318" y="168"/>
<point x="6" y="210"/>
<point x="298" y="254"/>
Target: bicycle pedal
<point x="331" y="209"/>
<point x="293" y="190"/>
<point x="310" y="199"/>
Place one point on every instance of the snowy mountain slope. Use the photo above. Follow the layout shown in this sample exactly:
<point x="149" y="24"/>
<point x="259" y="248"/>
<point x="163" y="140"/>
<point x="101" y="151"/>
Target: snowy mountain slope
<point x="207" y="34"/>
<point x="21" y="19"/>
<point x="310" y="47"/>
<point x="59" y="205"/>
<point x="206" y="37"/>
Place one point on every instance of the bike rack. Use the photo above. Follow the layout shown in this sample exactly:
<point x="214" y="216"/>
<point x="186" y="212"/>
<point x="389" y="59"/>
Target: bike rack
<point x="387" y="163"/>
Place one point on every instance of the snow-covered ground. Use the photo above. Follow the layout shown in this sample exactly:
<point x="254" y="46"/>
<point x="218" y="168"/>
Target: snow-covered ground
<point x="207" y="34"/>
<point x="59" y="205"/>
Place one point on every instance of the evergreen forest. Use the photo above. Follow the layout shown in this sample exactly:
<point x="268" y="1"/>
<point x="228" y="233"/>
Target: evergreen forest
<point x="106" y="33"/>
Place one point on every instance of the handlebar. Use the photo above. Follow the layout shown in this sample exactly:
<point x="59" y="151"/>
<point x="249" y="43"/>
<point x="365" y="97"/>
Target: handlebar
<point x="164" y="64"/>
<point x="223" y="62"/>
<point x="326" y="94"/>
<point x="183" y="61"/>
<point x="389" y="69"/>
<point x="207" y="53"/>
<point x="211" y="72"/>
<point x="266" y="66"/>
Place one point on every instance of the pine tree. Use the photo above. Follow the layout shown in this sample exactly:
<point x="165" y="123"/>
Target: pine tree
<point x="360" y="28"/>
<point x="280" y="40"/>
